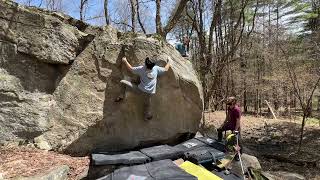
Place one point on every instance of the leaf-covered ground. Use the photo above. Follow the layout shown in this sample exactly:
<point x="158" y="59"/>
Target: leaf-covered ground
<point x="25" y="161"/>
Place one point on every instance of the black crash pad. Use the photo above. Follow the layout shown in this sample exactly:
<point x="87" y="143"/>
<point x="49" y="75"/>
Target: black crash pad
<point x="162" y="152"/>
<point x="203" y="154"/>
<point x="157" y="170"/>
<point x="127" y="158"/>
<point x="190" y="145"/>
<point x="213" y="143"/>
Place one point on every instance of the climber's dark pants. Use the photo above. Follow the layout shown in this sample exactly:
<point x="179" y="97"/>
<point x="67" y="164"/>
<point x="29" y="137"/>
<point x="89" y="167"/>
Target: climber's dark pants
<point x="225" y="128"/>
<point x="127" y="85"/>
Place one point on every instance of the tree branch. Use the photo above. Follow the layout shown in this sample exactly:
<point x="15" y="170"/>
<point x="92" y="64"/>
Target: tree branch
<point x="175" y="16"/>
<point x="122" y="23"/>
<point x="139" y="19"/>
<point x="254" y="18"/>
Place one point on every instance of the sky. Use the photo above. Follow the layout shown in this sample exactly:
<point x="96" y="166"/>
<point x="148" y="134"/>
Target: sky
<point x="118" y="10"/>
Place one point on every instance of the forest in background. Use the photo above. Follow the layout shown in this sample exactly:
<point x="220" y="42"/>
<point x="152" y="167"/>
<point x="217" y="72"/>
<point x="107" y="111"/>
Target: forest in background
<point x="266" y="53"/>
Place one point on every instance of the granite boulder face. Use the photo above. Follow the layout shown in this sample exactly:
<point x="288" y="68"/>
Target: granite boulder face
<point x="59" y="79"/>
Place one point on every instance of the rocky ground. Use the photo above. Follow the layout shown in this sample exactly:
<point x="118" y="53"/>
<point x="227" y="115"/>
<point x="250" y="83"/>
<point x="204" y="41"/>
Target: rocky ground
<point x="275" y="142"/>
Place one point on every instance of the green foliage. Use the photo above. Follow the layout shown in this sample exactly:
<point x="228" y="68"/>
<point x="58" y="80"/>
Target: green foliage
<point x="313" y="121"/>
<point x="249" y="14"/>
<point x="305" y="12"/>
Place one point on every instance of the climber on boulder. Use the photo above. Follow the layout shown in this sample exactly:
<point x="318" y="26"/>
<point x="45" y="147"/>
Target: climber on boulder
<point x="148" y="81"/>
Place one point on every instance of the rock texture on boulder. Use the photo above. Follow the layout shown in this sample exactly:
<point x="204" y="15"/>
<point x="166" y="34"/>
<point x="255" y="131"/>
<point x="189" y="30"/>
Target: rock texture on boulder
<point x="33" y="46"/>
<point x="59" y="78"/>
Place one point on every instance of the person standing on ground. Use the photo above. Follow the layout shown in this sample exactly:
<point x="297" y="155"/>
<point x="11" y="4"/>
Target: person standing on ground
<point x="232" y="121"/>
<point x="148" y="74"/>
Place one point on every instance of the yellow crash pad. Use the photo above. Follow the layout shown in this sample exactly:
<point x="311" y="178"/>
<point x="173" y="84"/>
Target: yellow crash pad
<point x="198" y="171"/>
<point x="225" y="162"/>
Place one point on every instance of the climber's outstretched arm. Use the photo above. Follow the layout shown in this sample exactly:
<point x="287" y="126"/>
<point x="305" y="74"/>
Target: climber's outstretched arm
<point x="128" y="65"/>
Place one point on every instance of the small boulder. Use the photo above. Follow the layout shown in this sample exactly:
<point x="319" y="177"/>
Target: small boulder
<point x="248" y="161"/>
<point x="41" y="143"/>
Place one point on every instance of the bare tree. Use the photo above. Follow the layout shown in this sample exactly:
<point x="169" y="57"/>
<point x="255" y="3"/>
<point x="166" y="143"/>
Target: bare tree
<point x="158" y="17"/>
<point x="218" y="42"/>
<point x="83" y="4"/>
<point x="106" y="13"/>
<point x="40" y="3"/>
<point x="173" y="19"/>
<point x="28" y="2"/>
<point x="133" y="15"/>
<point x="54" y="5"/>
<point x="305" y="103"/>
<point x="139" y="19"/>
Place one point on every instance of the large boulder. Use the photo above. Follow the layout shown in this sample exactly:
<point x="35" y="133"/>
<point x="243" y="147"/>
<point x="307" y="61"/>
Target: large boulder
<point x="85" y="116"/>
<point x="34" y="45"/>
<point x="71" y="107"/>
<point x="40" y="34"/>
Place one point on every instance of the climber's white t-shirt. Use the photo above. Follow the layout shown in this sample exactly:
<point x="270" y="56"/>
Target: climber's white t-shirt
<point x="148" y="78"/>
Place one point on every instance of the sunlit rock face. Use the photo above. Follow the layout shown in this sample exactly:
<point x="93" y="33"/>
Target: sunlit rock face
<point x="59" y="78"/>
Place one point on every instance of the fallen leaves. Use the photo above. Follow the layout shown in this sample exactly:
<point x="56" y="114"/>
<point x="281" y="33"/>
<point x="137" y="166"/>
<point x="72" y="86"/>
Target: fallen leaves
<point x="24" y="161"/>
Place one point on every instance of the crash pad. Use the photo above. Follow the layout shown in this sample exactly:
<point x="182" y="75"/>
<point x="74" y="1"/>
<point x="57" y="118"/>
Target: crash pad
<point x="157" y="170"/>
<point x="198" y="171"/>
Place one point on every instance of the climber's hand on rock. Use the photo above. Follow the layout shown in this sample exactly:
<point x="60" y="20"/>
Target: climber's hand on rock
<point x="124" y="60"/>
<point x="168" y="60"/>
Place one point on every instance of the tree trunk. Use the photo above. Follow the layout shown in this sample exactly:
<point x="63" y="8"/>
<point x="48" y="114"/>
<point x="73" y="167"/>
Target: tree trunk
<point x="106" y="13"/>
<point x="243" y="66"/>
<point x="139" y="19"/>
<point x="174" y="17"/>
<point x="133" y="15"/>
<point x="302" y="130"/>
<point x="245" y="102"/>
<point x="158" y="18"/>
<point x="295" y="102"/>
<point x="285" y="102"/>
<point x="82" y="8"/>
<point x="318" y="106"/>
<point x="309" y="109"/>
<point x="275" y="99"/>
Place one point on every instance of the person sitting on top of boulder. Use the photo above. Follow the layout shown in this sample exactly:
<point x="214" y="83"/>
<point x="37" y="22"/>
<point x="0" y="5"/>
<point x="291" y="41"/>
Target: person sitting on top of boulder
<point x="148" y="81"/>
<point x="183" y="47"/>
